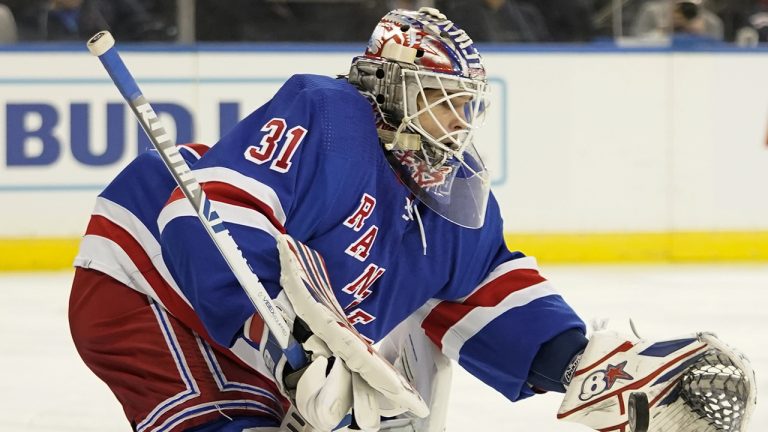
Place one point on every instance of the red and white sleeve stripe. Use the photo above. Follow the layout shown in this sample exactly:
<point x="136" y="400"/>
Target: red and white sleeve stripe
<point x="118" y="244"/>
<point x="449" y="324"/>
<point x="239" y="199"/>
<point x="197" y="150"/>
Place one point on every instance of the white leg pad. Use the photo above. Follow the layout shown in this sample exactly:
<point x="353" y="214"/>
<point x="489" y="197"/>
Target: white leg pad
<point x="428" y="370"/>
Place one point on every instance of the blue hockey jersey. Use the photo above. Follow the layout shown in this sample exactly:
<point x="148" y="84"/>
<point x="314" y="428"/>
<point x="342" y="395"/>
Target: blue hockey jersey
<point x="309" y="163"/>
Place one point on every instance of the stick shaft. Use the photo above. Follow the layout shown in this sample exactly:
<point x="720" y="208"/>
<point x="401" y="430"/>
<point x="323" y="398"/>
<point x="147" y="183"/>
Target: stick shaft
<point x="102" y="46"/>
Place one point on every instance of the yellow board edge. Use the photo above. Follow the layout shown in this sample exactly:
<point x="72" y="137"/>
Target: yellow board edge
<point x="665" y="247"/>
<point x="37" y="254"/>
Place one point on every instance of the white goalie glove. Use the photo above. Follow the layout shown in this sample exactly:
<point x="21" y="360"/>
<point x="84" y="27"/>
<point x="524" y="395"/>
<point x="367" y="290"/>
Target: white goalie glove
<point x="692" y="384"/>
<point x="345" y="373"/>
<point x="326" y="390"/>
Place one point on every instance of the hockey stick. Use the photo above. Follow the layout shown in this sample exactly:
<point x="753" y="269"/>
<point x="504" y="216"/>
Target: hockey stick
<point x="102" y="46"/>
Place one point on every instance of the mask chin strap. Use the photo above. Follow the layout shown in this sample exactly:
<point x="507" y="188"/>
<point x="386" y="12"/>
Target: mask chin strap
<point x="399" y="140"/>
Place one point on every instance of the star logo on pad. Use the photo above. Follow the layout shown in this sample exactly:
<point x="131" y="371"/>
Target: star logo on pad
<point x="613" y="373"/>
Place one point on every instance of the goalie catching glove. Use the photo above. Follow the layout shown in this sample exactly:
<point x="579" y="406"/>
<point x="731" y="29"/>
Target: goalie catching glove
<point x="692" y="384"/>
<point x="344" y="373"/>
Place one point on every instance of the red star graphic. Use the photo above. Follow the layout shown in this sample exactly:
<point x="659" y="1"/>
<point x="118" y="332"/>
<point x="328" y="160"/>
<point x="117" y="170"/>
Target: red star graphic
<point x="613" y="373"/>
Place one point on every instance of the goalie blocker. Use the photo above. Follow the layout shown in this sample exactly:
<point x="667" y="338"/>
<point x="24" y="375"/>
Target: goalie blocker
<point x="345" y="372"/>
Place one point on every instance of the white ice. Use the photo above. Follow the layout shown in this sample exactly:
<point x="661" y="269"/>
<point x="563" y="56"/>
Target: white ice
<point x="45" y="387"/>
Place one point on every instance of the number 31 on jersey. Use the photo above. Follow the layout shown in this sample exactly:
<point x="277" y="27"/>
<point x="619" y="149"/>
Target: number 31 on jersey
<point x="265" y="150"/>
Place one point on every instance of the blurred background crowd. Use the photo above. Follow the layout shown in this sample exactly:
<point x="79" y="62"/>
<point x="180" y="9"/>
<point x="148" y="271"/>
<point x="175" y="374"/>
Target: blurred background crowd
<point x="741" y="22"/>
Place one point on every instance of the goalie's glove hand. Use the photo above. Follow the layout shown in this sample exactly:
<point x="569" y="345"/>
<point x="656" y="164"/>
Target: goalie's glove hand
<point x="691" y="384"/>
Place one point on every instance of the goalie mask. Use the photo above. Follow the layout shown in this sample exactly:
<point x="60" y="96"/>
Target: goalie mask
<point x="428" y="84"/>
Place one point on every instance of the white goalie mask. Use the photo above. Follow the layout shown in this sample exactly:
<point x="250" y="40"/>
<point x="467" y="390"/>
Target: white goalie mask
<point x="428" y="83"/>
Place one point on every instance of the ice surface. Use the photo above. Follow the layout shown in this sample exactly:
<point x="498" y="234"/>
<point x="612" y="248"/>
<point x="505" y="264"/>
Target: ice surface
<point x="45" y="387"/>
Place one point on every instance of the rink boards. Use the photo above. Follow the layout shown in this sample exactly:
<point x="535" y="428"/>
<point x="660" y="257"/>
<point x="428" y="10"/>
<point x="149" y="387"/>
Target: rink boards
<point x="596" y="154"/>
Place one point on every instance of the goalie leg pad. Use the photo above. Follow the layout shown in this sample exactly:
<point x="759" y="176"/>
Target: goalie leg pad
<point x="430" y="371"/>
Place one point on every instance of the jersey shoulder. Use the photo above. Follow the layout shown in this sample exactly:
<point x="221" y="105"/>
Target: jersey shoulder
<point x="318" y="87"/>
<point x="342" y="118"/>
<point x="316" y="121"/>
<point x="303" y="149"/>
<point x="148" y="170"/>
